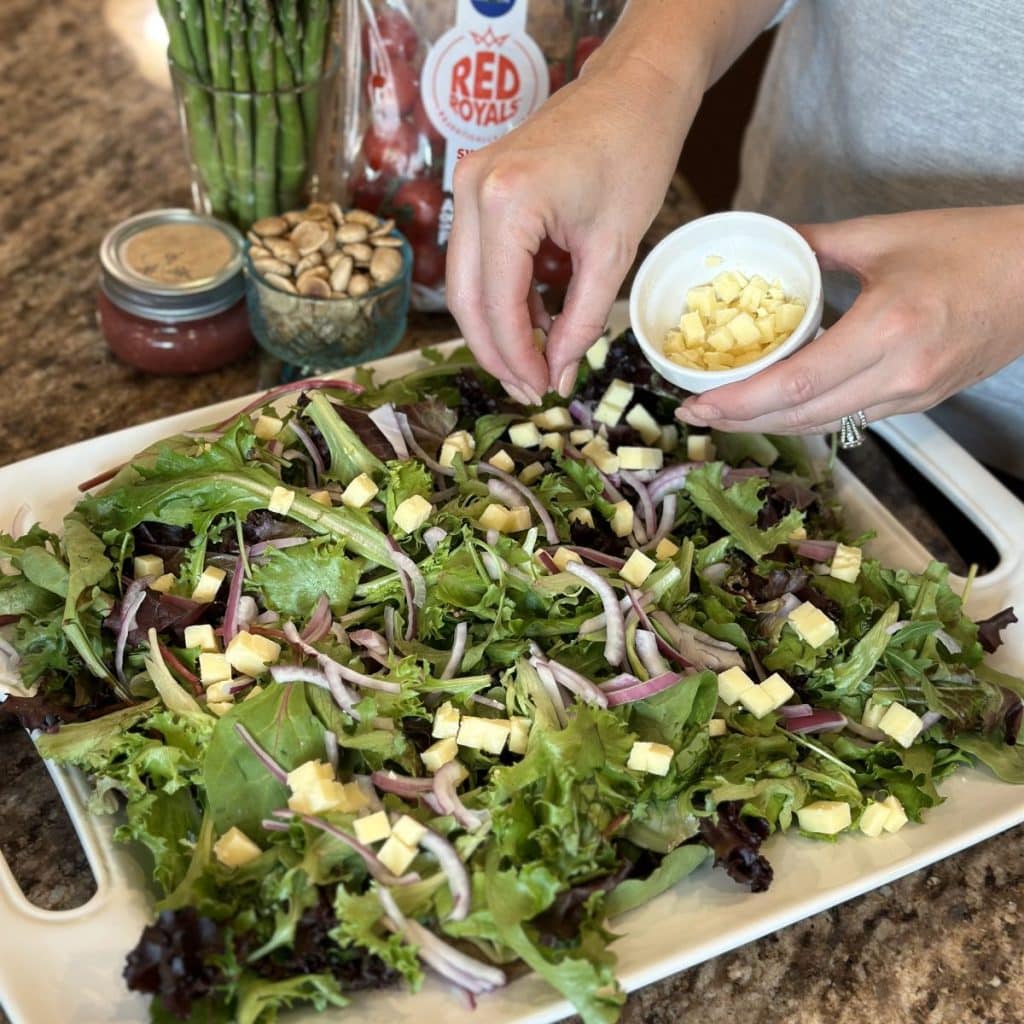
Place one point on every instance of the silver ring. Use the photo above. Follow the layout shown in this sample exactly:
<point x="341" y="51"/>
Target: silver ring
<point x="851" y="429"/>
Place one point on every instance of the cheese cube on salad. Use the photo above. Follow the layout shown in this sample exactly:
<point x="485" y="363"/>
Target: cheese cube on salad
<point x="250" y="653"/>
<point x="208" y="584"/>
<point x="163" y="584"/>
<point x="598" y="352"/>
<point x="412" y="513"/>
<point x="532" y="472"/>
<point x="201" y="636"/>
<point x="846" y="563"/>
<point x="446" y="721"/>
<point x="700" y="448"/>
<point x="557" y="417"/>
<point x="308" y="772"/>
<point x="812" y="625"/>
<point x="360" y="492"/>
<point x="440" y="753"/>
<point x="519" y="734"/>
<point x="633" y="457"/>
<point x="213" y="668"/>
<point x="637" y="568"/>
<point x="219" y="693"/>
<point x="873" y="712"/>
<point x="267" y="427"/>
<point x="581" y="436"/>
<point x="873" y="818"/>
<point x="653" y="758"/>
<point x="235" y="849"/>
<point x="669" y="438"/>
<point x="897" y="816"/>
<point x="281" y="500"/>
<point x="553" y="440"/>
<point x="503" y="461"/>
<point x="733" y="683"/>
<point x="488" y="734"/>
<point x="147" y="565"/>
<point x="757" y="701"/>
<point x="901" y="724"/>
<point x="622" y="519"/>
<point x="666" y="549"/>
<point x="318" y="796"/>
<point x="372" y="828"/>
<point x="396" y="856"/>
<point x="717" y="727"/>
<point x="644" y="424"/>
<point x="461" y="442"/>
<point x="408" y="830"/>
<point x="524" y="435"/>
<point x="826" y="817"/>
<point x="777" y="689"/>
<point x="563" y="556"/>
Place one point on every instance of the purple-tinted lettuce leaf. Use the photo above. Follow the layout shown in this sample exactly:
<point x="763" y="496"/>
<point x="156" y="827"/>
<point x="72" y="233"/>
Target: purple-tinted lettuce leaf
<point x="990" y="630"/>
<point x="735" y="840"/>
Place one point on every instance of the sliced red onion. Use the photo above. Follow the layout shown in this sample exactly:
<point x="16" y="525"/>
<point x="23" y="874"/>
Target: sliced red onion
<point x="896" y="627"/>
<point x="547" y="561"/>
<point x="816" y="550"/>
<point x="486" y="702"/>
<point x="446" y="778"/>
<point x="455" y="871"/>
<point x="134" y="596"/>
<point x="299" y="674"/>
<point x="501" y="491"/>
<point x="819" y="720"/>
<point x="647" y="650"/>
<point x="455" y="965"/>
<point x="278" y="542"/>
<point x="715" y="573"/>
<point x="331" y="749"/>
<point x="95" y="481"/>
<point x="667" y="520"/>
<point x="229" y="627"/>
<point x="732" y="475"/>
<point x="404" y="564"/>
<point x="385" y="419"/>
<point x="698" y="648"/>
<point x="265" y="759"/>
<point x="615" y="623"/>
<point x="646" y="505"/>
<point x="458" y="650"/>
<point x="648" y="688"/>
<point x="433" y="537"/>
<point x="867" y="732"/>
<point x="597" y="557"/>
<point x="21" y="523"/>
<point x="414" y="446"/>
<point x="373" y="642"/>
<point x="622" y="681"/>
<point x="526" y="494"/>
<point x="547" y="680"/>
<point x="239" y="684"/>
<point x="405" y="786"/>
<point x="267" y="618"/>
<point x="597" y="622"/>
<point x="314" y="384"/>
<point x="572" y="680"/>
<point x="319" y="622"/>
<point x="492" y="537"/>
<point x="307" y="443"/>
<point x="581" y="414"/>
<point x="796" y="710"/>
<point x="929" y="718"/>
<point x="276" y="448"/>
<point x="190" y="677"/>
<point x="373" y="863"/>
<point x="639" y="601"/>
<point x="248" y="611"/>
<point x="671" y="479"/>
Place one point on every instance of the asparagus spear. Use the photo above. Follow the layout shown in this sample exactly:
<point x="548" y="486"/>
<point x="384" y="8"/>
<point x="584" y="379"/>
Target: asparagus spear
<point x="198" y="118"/>
<point x="219" y="56"/>
<point x="314" y="38"/>
<point x="293" y="158"/>
<point x="192" y="18"/>
<point x="265" y="109"/>
<point x="242" y="102"/>
<point x="291" y="32"/>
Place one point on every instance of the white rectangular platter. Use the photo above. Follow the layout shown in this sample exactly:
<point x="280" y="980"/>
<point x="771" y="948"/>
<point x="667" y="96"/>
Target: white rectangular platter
<point x="66" y="966"/>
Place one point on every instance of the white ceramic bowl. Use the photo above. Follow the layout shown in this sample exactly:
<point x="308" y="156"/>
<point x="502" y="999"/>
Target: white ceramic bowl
<point x="748" y="242"/>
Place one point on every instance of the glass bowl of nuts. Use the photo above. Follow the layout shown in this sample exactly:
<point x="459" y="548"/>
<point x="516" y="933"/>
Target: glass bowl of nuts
<point x="723" y="297"/>
<point x="327" y="287"/>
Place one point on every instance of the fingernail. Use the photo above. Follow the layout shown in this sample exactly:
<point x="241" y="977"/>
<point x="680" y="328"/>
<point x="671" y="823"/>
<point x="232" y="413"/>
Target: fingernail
<point x="533" y="396"/>
<point x="698" y="414"/>
<point x="567" y="380"/>
<point x="516" y="392"/>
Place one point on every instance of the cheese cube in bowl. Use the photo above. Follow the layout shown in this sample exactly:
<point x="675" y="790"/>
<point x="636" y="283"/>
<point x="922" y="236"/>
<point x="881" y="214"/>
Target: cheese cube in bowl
<point x="677" y="279"/>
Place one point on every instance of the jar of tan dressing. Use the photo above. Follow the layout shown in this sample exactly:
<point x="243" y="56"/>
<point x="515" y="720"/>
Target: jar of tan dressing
<point x="171" y="296"/>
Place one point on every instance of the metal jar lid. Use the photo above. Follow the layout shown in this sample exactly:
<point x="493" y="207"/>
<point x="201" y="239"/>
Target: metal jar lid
<point x="172" y="265"/>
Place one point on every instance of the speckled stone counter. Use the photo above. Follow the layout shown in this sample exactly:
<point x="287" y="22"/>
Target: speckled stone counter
<point x="87" y="139"/>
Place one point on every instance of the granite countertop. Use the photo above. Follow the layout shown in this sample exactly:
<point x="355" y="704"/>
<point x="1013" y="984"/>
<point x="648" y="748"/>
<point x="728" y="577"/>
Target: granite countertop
<point x="89" y="136"/>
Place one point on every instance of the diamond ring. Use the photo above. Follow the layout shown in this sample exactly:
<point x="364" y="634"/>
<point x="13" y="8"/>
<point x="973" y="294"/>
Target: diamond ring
<point x="851" y="429"/>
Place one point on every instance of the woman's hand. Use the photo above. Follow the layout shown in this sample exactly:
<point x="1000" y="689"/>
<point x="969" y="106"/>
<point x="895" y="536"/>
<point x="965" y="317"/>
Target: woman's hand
<point x="941" y="307"/>
<point x="589" y="171"/>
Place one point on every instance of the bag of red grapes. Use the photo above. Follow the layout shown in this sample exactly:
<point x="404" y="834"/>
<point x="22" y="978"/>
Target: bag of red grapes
<point x="438" y="80"/>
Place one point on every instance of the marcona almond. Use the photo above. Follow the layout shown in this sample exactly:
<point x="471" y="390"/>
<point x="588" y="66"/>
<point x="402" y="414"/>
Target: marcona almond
<point x="280" y="282"/>
<point x="284" y="250"/>
<point x="317" y="211"/>
<point x="334" y="259"/>
<point x="313" y="286"/>
<point x="341" y="273"/>
<point x="337" y="213"/>
<point x="293" y="217"/>
<point x="359" y="284"/>
<point x="386" y="241"/>
<point x="270" y="226"/>
<point x="352" y="232"/>
<point x="258" y="252"/>
<point x="272" y="266"/>
<point x="308" y="236"/>
<point x="362" y="217"/>
<point x="361" y="252"/>
<point x="385" y="265"/>
<point x="385" y="227"/>
<point x="314" y="259"/>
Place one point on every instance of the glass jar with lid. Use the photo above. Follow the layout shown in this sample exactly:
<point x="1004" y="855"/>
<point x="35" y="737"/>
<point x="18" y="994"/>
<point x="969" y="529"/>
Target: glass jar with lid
<point x="171" y="297"/>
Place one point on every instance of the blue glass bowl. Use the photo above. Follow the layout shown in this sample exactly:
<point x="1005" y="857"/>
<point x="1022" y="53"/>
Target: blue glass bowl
<point x="314" y="334"/>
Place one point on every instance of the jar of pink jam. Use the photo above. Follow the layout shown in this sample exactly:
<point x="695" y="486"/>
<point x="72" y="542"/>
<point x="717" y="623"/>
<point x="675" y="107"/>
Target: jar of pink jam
<point x="171" y="295"/>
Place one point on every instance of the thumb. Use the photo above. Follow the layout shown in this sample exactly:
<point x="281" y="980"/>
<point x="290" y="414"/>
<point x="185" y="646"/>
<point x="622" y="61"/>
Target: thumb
<point x="848" y="245"/>
<point x="592" y="290"/>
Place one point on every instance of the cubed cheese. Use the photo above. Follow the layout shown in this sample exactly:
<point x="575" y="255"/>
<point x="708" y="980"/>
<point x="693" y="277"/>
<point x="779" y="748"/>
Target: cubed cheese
<point x="599" y="454"/>
<point x="581" y="436"/>
<point x="506" y="520"/>
<point x="744" y="330"/>
<point x="503" y="461"/>
<point x="250" y="653"/>
<point x="446" y="721"/>
<point x="598" y="352"/>
<point x="519" y="734"/>
<point x="701" y="300"/>
<point x="439" y="753"/>
<point x="846" y="563"/>
<point x="653" y="758"/>
<point x="644" y="424"/>
<point x="614" y="402"/>
<point x="267" y="427"/>
<point x="409" y="831"/>
<point x="307" y="773"/>
<point x="321" y="498"/>
<point x="554" y="441"/>
<point x="208" y="584"/>
<point x="163" y="584"/>
<point x="712" y="261"/>
<point x="777" y="689"/>
<point x="812" y="625"/>
<point x="757" y="701"/>
<point x="372" y="828"/>
<point x="826" y="817"/>
<point x="563" y="556"/>
<point x="896" y="816"/>
<point x="727" y="286"/>
<point x="666" y="549"/>
<point x="716" y="727"/>
<point x="396" y="856"/>
<point x="555" y="418"/>
<point x="219" y="707"/>
<point x="317" y="797"/>
<point x="582" y="515"/>
<point x="412" y="513"/>
<point x="360" y="492"/>
<point x="873" y="712"/>
<point x="692" y="327"/>
<point x="632" y="457"/>
<point x="622" y="519"/>
<point x="700" y="448"/>
<point x="461" y="443"/>
<point x="733" y="683"/>
<point x="281" y="499"/>
<point x="873" y="818"/>
<point x="797" y="535"/>
<point x="637" y="568"/>
<point x="234" y="849"/>
<point x="524" y="435"/>
<point x="532" y="472"/>
<point x="213" y="668"/>
<point x="669" y="438"/>
<point x="488" y="734"/>
<point x="220" y="693"/>
<point x="201" y="636"/>
<point x="901" y="724"/>
<point x="147" y="565"/>
<point x="788" y="316"/>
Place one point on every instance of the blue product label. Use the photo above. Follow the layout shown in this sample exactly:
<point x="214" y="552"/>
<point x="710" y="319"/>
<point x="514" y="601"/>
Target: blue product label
<point x="493" y="8"/>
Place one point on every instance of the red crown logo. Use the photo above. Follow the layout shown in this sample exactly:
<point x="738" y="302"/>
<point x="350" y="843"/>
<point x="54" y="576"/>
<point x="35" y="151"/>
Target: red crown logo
<point x="488" y="39"/>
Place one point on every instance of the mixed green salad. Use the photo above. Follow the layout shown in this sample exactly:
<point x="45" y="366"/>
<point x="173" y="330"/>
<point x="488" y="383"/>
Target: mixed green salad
<point x="404" y="679"/>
